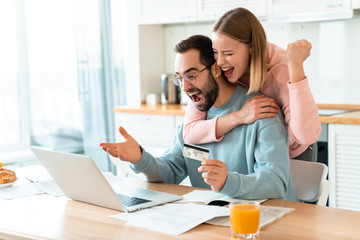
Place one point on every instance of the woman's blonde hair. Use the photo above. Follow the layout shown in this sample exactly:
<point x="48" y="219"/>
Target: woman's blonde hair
<point x="240" y="24"/>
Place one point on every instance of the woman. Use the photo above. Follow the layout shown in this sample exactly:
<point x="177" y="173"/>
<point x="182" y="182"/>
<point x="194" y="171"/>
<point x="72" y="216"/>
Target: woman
<point x="247" y="59"/>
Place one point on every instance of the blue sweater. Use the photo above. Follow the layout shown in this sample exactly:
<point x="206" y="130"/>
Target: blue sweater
<point x="256" y="155"/>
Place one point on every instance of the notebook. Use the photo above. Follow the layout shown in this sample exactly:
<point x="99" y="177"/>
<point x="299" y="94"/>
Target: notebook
<point x="80" y="179"/>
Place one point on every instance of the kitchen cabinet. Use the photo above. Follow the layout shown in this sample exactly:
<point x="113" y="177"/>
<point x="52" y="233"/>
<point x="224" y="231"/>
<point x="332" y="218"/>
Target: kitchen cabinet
<point x="303" y="6"/>
<point x="166" y="12"/>
<point x="310" y="10"/>
<point x="211" y="10"/>
<point x="344" y="165"/>
<point x="182" y="11"/>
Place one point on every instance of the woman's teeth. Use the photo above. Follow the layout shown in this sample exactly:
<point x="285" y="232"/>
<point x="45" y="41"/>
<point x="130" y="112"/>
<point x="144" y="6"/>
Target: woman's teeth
<point x="226" y="69"/>
<point x="228" y="72"/>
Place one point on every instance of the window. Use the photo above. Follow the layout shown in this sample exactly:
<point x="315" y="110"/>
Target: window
<point x="13" y="124"/>
<point x="56" y="119"/>
<point x="59" y="77"/>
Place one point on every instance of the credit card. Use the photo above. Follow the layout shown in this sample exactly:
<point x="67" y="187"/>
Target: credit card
<point x="196" y="152"/>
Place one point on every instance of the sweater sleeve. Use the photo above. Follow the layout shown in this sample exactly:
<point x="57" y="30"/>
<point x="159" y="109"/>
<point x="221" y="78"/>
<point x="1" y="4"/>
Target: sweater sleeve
<point x="197" y="130"/>
<point x="298" y="105"/>
<point x="304" y="124"/>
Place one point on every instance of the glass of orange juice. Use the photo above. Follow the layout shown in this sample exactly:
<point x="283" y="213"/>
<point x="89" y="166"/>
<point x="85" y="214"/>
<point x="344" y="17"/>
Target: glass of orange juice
<point x="245" y="219"/>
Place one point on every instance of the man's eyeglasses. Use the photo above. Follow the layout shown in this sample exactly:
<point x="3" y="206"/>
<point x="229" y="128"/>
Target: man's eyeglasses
<point x="190" y="78"/>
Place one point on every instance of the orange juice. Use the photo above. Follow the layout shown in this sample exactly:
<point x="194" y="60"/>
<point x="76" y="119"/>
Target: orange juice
<point x="1" y="164"/>
<point x="244" y="218"/>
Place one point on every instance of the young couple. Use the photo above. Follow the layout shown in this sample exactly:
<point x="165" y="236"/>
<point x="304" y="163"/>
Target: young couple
<point x="227" y="79"/>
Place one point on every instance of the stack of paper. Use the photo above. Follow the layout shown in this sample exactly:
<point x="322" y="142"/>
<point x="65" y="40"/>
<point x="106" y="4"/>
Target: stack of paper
<point x="19" y="190"/>
<point x="173" y="218"/>
<point x="179" y="217"/>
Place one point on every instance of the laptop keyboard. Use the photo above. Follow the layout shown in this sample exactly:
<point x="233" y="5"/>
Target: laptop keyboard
<point x="131" y="201"/>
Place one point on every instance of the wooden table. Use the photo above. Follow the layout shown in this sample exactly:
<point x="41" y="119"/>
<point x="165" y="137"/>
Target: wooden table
<point x="47" y="217"/>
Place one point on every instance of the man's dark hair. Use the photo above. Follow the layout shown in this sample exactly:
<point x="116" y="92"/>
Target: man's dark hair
<point x="202" y="44"/>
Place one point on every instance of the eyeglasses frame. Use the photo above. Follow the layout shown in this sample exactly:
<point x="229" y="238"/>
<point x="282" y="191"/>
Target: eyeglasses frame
<point x="178" y="80"/>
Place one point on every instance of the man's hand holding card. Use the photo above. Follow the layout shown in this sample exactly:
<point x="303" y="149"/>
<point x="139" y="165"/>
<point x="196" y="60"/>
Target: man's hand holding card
<point x="213" y="171"/>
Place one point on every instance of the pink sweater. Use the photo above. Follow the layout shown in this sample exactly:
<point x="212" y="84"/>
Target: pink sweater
<point x="295" y="100"/>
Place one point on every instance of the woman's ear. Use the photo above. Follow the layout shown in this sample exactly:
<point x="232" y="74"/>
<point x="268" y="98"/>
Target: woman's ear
<point x="215" y="70"/>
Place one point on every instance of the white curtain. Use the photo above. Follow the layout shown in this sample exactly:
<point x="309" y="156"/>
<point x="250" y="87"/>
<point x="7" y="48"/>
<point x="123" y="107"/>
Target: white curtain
<point x="60" y="75"/>
<point x="99" y="76"/>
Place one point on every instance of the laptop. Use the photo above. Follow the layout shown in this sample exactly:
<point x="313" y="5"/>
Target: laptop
<point x="81" y="180"/>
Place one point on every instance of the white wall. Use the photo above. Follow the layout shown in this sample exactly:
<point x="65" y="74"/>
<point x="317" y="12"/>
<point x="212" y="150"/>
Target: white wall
<point x="333" y="67"/>
<point x="152" y="58"/>
<point x="174" y="33"/>
<point x="131" y="50"/>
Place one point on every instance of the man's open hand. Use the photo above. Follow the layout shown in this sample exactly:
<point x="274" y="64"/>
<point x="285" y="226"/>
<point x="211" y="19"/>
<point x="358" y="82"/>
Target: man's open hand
<point x="128" y="151"/>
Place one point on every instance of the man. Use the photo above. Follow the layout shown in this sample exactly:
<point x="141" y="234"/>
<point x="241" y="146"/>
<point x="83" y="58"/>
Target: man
<point x="250" y="162"/>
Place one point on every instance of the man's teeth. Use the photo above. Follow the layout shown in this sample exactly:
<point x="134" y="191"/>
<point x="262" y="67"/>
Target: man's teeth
<point x="191" y="94"/>
<point x="195" y="96"/>
<point x="226" y="69"/>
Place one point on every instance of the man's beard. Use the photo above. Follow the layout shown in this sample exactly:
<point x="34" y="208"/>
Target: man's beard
<point x="210" y="92"/>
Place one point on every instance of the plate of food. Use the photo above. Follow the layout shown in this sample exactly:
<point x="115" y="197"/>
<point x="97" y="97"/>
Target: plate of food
<point x="4" y="185"/>
<point x="7" y="178"/>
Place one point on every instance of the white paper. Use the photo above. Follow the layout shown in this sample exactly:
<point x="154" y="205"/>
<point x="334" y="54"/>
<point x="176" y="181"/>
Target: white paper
<point x="49" y="187"/>
<point x="19" y="190"/>
<point x="172" y="218"/>
<point x="206" y="196"/>
<point x="268" y="214"/>
<point x="202" y="196"/>
<point x="33" y="173"/>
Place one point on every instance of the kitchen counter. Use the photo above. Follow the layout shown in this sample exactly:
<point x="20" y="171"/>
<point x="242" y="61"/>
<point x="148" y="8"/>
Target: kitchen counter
<point x="162" y="109"/>
<point x="352" y="116"/>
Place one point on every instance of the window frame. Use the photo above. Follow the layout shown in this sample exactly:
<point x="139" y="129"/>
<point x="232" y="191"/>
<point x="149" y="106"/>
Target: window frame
<point x="23" y="90"/>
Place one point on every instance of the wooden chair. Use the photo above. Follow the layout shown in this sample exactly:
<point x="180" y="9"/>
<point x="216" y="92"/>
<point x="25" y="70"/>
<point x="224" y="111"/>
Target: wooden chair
<point x="309" y="179"/>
